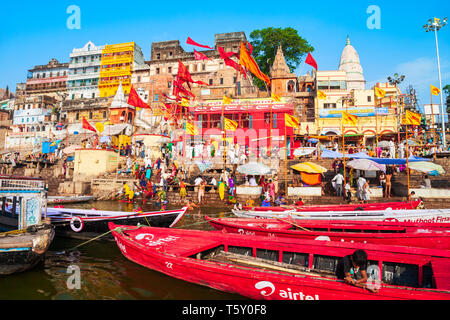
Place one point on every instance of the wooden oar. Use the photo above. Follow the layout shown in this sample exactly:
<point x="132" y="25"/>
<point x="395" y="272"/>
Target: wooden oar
<point x="295" y="225"/>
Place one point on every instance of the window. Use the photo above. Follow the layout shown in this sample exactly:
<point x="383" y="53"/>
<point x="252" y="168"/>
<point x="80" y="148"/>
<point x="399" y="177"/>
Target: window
<point x="90" y="115"/>
<point x="169" y="70"/>
<point x="234" y="80"/>
<point x="203" y="67"/>
<point x="84" y="59"/>
<point x="158" y="56"/>
<point x="210" y="82"/>
<point x="104" y="114"/>
<point x="369" y="98"/>
<point x="329" y="105"/>
<point x="77" y="116"/>
<point x="221" y="80"/>
<point x="93" y="95"/>
<point x="322" y="85"/>
<point x="139" y="79"/>
<point x="157" y="70"/>
<point x="170" y="54"/>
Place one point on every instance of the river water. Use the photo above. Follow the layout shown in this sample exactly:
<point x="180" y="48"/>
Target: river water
<point x="105" y="273"/>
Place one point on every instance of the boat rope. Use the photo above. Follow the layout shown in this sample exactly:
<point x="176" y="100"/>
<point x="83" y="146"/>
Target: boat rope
<point x="118" y="230"/>
<point x="196" y="223"/>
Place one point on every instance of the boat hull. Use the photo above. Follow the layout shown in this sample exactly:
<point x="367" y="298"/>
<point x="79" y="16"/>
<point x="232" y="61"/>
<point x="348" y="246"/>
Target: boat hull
<point x="246" y="281"/>
<point x="23" y="252"/>
<point x="415" y="216"/>
<point x="404" y="234"/>
<point x="86" y="224"/>
<point x="62" y="199"/>
<point x="344" y="207"/>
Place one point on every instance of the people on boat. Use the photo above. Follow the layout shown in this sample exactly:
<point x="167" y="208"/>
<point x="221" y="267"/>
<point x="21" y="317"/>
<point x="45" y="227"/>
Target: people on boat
<point x="353" y="269"/>
<point x="266" y="202"/>
<point x="411" y="196"/>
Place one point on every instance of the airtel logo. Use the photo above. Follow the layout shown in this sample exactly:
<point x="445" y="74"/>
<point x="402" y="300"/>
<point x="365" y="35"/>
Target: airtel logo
<point x="146" y="236"/>
<point x="265" y="285"/>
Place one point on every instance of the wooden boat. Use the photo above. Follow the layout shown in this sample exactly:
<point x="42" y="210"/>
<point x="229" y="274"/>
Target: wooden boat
<point x="21" y="251"/>
<point x="425" y="235"/>
<point x="28" y="237"/>
<point x="416" y="216"/>
<point x="343" y="207"/>
<point x="86" y="224"/>
<point x="284" y="268"/>
<point x="68" y="199"/>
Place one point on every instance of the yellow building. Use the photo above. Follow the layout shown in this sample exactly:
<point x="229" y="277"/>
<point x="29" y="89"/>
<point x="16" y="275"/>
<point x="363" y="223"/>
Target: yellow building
<point x="117" y="66"/>
<point x="91" y="163"/>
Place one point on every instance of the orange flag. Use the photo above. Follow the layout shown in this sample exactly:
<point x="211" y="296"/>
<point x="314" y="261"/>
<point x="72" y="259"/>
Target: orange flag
<point x="248" y="62"/>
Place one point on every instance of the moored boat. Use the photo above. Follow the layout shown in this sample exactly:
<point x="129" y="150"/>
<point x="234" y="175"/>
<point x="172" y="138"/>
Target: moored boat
<point x="284" y="268"/>
<point x="86" y="224"/>
<point x="68" y="199"/>
<point x="425" y="235"/>
<point x="21" y="251"/>
<point x="28" y="236"/>
<point x="376" y="206"/>
<point x="416" y="216"/>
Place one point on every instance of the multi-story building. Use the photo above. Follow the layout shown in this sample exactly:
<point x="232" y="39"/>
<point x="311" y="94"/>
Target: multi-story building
<point x="345" y="91"/>
<point x="49" y="79"/>
<point x="300" y="90"/>
<point x="222" y="79"/>
<point x="117" y="64"/>
<point x="84" y="72"/>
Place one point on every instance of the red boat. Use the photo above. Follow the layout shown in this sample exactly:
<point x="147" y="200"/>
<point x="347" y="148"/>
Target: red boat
<point x="344" y="207"/>
<point x="425" y="235"/>
<point x="284" y="268"/>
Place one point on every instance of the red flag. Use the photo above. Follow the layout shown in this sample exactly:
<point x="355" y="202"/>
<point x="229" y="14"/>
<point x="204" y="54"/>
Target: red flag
<point x="193" y="43"/>
<point x="87" y="125"/>
<point x="231" y="63"/>
<point x="250" y="48"/>
<point x="200" y="56"/>
<point x="185" y="76"/>
<point x="310" y="60"/>
<point x="225" y="55"/>
<point x="135" y="100"/>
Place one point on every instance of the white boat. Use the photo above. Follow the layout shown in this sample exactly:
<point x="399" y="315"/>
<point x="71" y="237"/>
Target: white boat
<point x="416" y="215"/>
<point x="68" y="199"/>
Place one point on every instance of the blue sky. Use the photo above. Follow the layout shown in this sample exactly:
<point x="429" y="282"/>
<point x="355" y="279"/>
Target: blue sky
<point x="33" y="32"/>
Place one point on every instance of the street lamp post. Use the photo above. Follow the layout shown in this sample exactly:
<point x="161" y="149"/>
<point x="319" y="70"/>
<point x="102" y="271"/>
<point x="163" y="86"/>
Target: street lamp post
<point x="395" y="81"/>
<point x="435" y="25"/>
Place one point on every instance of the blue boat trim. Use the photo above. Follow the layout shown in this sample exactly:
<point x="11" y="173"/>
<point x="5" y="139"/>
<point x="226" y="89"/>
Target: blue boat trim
<point x="15" y="249"/>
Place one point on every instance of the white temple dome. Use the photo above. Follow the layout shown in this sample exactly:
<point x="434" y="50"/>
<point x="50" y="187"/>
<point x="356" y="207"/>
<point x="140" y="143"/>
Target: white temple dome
<point x="351" y="65"/>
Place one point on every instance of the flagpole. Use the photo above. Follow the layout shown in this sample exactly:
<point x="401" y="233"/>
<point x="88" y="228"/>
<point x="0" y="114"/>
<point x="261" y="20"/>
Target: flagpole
<point x="285" y="158"/>
<point x="343" y="145"/>
<point x="223" y="142"/>
<point x="407" y="157"/>
<point x="434" y="132"/>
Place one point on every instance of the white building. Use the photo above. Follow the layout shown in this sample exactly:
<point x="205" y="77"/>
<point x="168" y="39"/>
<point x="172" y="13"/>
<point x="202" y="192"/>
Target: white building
<point x="351" y="65"/>
<point x="84" y="72"/>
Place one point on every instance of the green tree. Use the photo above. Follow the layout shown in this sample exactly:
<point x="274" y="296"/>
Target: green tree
<point x="265" y="43"/>
<point x="446" y="90"/>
